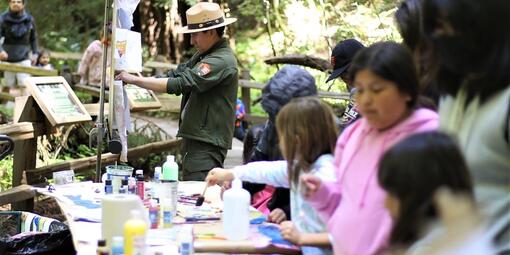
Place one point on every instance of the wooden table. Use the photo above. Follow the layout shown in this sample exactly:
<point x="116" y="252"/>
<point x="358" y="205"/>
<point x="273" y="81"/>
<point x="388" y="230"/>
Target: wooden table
<point x="86" y="234"/>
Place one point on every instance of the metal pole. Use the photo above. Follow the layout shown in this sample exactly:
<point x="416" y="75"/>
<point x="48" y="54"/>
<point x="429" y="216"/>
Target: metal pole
<point x="100" y="119"/>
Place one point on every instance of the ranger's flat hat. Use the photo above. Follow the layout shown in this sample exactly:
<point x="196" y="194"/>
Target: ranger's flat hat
<point x="205" y="16"/>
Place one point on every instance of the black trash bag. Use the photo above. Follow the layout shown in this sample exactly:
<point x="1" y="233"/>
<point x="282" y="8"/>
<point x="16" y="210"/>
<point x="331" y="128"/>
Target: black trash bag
<point x="56" y="242"/>
<point x="58" y="239"/>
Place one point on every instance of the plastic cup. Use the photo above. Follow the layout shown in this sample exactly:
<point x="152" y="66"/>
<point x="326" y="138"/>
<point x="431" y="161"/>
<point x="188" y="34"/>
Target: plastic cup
<point x="117" y="173"/>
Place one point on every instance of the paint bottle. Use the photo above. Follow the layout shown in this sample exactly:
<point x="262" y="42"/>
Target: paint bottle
<point x="154" y="214"/>
<point x="236" y="212"/>
<point x="149" y="190"/>
<point x="140" y="189"/>
<point x="157" y="174"/>
<point x="167" y="212"/>
<point x="123" y="186"/>
<point x="170" y="169"/>
<point x="186" y="240"/>
<point x="101" y="247"/>
<point x="134" y="234"/>
<point x="108" y="188"/>
<point x="132" y="185"/>
<point x="117" y="245"/>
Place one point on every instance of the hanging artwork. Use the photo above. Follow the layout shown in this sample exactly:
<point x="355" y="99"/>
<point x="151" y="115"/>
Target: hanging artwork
<point x="128" y="51"/>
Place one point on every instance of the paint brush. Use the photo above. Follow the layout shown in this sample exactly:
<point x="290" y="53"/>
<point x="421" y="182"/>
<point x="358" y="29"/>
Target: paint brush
<point x="201" y="198"/>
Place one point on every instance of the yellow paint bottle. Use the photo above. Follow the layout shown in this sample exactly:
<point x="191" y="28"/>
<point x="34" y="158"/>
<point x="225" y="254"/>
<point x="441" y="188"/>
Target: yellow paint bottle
<point x="134" y="234"/>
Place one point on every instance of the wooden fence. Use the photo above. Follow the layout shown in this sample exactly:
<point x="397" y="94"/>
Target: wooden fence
<point x="29" y="123"/>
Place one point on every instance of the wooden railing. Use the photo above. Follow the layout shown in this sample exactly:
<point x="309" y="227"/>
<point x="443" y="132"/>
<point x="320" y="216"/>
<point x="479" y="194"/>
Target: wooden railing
<point x="36" y="71"/>
<point x="66" y="55"/>
<point x="29" y="123"/>
<point x="38" y="175"/>
<point x="246" y="86"/>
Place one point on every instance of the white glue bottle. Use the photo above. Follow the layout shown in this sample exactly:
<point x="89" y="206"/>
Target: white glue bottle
<point x="236" y="212"/>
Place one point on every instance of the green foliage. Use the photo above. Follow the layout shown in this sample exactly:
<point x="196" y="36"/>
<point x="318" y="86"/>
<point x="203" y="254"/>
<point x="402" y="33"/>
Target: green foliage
<point x="6" y="173"/>
<point x="264" y="28"/>
<point x="65" y="25"/>
<point x="70" y="142"/>
<point x="7" y="112"/>
<point x="147" y="132"/>
<point x="85" y="98"/>
<point x="307" y="27"/>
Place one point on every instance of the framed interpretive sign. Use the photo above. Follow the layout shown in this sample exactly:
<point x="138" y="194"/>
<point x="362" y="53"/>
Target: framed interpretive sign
<point x="140" y="98"/>
<point x="57" y="100"/>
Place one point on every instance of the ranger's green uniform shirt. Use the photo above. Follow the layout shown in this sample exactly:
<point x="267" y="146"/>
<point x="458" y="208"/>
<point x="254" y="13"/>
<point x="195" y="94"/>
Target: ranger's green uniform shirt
<point x="208" y="84"/>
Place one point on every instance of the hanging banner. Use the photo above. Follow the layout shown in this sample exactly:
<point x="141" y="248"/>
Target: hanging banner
<point x="125" y="10"/>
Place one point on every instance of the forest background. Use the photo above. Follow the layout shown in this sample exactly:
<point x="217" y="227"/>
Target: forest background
<point x="265" y="28"/>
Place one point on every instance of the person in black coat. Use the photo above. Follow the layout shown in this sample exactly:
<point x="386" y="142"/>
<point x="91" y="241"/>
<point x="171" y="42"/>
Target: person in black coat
<point x="17" y="28"/>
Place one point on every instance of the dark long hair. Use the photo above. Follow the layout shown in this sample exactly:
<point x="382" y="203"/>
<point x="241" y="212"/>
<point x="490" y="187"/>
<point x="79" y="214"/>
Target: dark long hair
<point x="476" y="52"/>
<point x="412" y="170"/>
<point x="306" y="130"/>
<point x="409" y="20"/>
<point x="391" y="61"/>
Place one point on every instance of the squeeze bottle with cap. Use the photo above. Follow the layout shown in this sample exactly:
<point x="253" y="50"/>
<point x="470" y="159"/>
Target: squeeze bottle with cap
<point x="157" y="174"/>
<point x="134" y="234"/>
<point x="186" y="240"/>
<point x="140" y="189"/>
<point x="118" y="245"/>
<point x="236" y="214"/>
<point x="154" y="213"/>
<point x="108" y="188"/>
<point x="170" y="169"/>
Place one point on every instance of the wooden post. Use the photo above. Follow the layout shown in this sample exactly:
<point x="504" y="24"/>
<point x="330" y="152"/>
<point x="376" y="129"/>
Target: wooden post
<point x="245" y="92"/>
<point x="25" y="151"/>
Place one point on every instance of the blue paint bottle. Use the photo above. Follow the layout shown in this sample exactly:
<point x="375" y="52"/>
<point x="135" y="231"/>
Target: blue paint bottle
<point x="108" y="188"/>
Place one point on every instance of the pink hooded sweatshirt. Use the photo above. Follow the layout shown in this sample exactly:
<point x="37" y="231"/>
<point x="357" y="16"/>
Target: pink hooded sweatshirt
<point x="353" y="206"/>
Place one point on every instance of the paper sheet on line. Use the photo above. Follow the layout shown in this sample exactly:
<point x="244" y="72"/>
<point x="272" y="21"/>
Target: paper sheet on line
<point x="122" y="117"/>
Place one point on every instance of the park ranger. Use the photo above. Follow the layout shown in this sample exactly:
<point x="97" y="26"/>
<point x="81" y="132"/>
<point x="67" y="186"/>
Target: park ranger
<point x="208" y="85"/>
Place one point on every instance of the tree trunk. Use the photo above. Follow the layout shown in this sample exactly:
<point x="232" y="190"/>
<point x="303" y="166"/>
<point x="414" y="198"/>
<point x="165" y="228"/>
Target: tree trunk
<point x="158" y="25"/>
<point x="175" y="40"/>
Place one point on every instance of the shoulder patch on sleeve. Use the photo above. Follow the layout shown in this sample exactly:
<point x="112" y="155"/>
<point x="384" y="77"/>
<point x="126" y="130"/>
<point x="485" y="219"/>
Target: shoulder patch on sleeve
<point x="204" y="69"/>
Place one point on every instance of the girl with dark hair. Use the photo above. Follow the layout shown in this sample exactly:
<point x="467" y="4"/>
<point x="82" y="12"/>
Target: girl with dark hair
<point x="307" y="132"/>
<point x="410" y="173"/>
<point x="467" y="40"/>
<point x="43" y="60"/>
<point x="353" y="206"/>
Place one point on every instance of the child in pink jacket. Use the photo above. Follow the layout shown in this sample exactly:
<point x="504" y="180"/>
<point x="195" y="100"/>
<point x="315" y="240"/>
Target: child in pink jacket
<point x="387" y="94"/>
